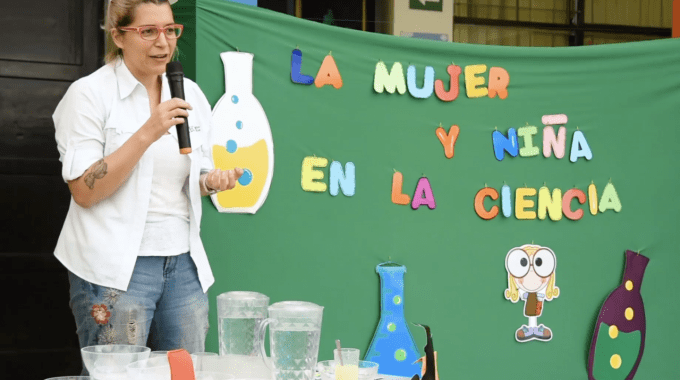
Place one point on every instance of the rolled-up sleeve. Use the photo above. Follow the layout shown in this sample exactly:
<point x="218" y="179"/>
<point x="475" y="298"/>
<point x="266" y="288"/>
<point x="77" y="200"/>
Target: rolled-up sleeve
<point x="79" y="123"/>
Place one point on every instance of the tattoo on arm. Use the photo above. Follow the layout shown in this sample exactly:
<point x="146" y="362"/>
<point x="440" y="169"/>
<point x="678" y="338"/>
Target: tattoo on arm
<point x="98" y="172"/>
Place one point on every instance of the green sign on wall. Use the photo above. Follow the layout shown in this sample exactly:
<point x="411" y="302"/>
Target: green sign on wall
<point x="426" y="5"/>
<point x="321" y="248"/>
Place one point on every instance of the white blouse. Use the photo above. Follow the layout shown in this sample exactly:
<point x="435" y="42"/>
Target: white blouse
<point x="96" y="116"/>
<point x="166" y="232"/>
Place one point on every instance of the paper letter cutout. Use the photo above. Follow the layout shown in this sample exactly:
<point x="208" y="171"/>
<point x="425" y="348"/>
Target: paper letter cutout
<point x="498" y="82"/>
<point x="452" y="94"/>
<point x="551" y="204"/>
<point x="527" y="133"/>
<point x="328" y="73"/>
<point x="566" y="203"/>
<point x="309" y="174"/>
<point x="592" y="197"/>
<point x="579" y="147"/>
<point x="346" y="180"/>
<point x="423" y="195"/>
<point x="448" y="140"/>
<point x="384" y="80"/>
<point x="428" y="83"/>
<point x="472" y="81"/>
<point x="397" y="184"/>
<point x="560" y="119"/>
<point x="522" y="204"/>
<point x="295" y="69"/>
<point x="506" y="201"/>
<point x="501" y="144"/>
<point x="610" y="199"/>
<point x="479" y="203"/>
<point x="550" y="142"/>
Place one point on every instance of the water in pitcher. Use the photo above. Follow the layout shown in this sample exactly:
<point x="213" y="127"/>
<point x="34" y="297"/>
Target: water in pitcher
<point x="238" y="336"/>
<point x="287" y="350"/>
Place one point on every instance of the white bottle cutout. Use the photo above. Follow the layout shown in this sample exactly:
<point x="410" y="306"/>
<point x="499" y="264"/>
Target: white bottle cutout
<point x="241" y="137"/>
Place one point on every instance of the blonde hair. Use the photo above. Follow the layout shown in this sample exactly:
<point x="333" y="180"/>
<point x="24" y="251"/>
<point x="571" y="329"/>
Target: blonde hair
<point x="121" y="13"/>
<point x="512" y="292"/>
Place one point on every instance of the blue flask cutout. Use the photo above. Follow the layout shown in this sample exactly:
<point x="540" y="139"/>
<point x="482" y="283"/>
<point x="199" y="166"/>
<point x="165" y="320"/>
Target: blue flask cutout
<point x="393" y="347"/>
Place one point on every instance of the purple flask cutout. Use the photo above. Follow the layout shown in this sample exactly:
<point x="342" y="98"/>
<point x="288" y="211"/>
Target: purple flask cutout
<point x="619" y="338"/>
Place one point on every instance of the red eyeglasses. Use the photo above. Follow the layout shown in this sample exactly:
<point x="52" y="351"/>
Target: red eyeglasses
<point x="151" y="32"/>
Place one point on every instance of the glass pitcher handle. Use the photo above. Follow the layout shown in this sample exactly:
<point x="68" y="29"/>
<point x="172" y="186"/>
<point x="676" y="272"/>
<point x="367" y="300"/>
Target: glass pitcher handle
<point x="261" y="329"/>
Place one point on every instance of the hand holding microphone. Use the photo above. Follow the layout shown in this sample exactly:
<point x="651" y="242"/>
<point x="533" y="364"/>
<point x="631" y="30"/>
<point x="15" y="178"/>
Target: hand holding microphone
<point x="175" y="74"/>
<point x="167" y="114"/>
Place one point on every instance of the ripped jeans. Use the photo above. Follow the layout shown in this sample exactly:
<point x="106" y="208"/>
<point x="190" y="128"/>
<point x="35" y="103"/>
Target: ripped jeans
<point x="163" y="308"/>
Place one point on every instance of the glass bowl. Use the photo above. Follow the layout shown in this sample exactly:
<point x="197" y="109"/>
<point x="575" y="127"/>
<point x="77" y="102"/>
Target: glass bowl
<point x="156" y="368"/>
<point x="106" y="362"/>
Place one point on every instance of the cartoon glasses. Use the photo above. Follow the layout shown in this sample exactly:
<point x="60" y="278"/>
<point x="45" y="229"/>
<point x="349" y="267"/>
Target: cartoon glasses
<point x="518" y="263"/>
<point x="151" y="32"/>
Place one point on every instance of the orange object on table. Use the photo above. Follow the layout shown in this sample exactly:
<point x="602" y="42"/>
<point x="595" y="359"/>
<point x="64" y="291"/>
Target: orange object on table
<point x="181" y="365"/>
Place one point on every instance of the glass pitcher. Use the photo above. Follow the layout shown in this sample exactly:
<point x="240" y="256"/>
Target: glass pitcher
<point x="295" y="331"/>
<point x="239" y="315"/>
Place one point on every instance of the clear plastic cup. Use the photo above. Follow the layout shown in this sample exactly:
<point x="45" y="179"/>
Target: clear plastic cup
<point x="346" y="363"/>
<point x="367" y="370"/>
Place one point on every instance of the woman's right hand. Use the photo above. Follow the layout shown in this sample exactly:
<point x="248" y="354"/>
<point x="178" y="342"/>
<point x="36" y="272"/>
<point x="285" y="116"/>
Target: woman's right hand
<point x="166" y="115"/>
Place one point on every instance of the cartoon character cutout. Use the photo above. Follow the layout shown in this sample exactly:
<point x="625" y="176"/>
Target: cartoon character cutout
<point x="531" y="277"/>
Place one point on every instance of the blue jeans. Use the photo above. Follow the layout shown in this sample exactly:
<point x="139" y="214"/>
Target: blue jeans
<point x="164" y="307"/>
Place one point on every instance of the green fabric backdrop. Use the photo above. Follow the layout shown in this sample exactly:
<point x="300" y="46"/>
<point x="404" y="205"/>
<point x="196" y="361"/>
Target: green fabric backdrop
<point x="324" y="249"/>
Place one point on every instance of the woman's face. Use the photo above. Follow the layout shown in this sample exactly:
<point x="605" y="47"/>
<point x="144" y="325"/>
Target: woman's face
<point x="147" y="58"/>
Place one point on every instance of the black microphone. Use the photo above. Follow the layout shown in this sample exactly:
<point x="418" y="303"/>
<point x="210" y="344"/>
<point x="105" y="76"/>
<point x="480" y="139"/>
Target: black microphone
<point x="175" y="75"/>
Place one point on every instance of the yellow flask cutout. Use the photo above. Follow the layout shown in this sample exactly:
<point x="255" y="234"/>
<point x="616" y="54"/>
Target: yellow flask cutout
<point x="241" y="138"/>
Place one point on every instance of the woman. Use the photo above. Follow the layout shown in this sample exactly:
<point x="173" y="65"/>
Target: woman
<point x="137" y="268"/>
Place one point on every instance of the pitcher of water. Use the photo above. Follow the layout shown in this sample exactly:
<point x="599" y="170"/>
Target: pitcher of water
<point x="239" y="314"/>
<point x="294" y="334"/>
